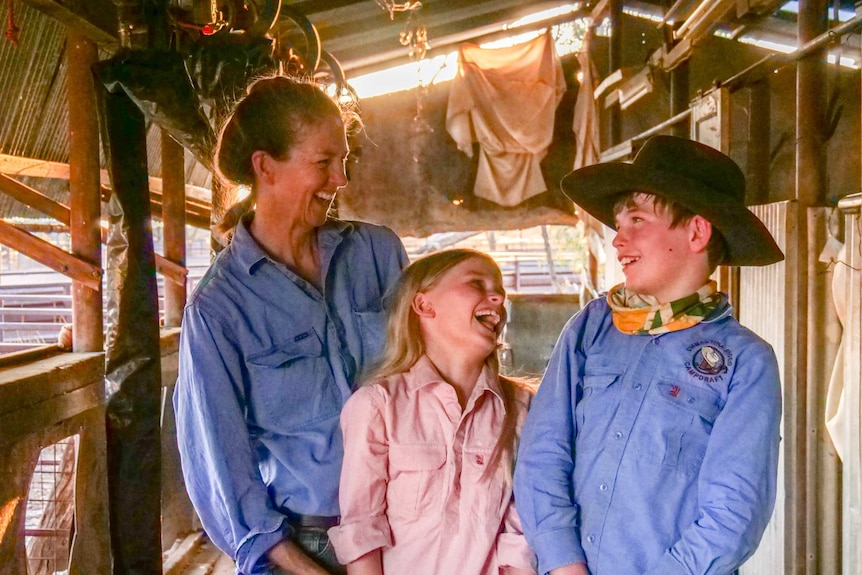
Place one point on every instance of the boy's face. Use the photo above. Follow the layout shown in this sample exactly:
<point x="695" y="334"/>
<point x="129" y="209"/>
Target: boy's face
<point x="658" y="260"/>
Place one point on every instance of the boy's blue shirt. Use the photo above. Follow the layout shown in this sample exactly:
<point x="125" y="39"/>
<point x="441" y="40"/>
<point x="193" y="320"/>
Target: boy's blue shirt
<point x="651" y="455"/>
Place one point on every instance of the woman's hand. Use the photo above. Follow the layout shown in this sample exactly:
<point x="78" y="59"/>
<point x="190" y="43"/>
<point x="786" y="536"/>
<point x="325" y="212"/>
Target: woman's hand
<point x="368" y="564"/>
<point x="286" y="555"/>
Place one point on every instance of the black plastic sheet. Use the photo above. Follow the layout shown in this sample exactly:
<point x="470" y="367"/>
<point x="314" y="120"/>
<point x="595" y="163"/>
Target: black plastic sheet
<point x="132" y="351"/>
<point x="157" y="82"/>
<point x="221" y="68"/>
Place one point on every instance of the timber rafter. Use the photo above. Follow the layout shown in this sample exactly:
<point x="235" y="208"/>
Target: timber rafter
<point x="56" y="258"/>
<point x="95" y="19"/>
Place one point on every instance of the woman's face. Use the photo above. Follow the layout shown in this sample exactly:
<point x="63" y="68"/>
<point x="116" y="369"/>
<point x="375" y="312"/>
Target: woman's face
<point x="304" y="184"/>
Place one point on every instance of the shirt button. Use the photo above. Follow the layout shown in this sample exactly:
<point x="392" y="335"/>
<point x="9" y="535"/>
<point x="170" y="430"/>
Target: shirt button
<point x="637" y="386"/>
<point x="618" y="434"/>
<point x="690" y="400"/>
<point x="591" y="538"/>
<point x="603" y="487"/>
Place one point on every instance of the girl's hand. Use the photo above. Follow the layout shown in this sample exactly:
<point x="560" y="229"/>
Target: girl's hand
<point x="369" y="564"/>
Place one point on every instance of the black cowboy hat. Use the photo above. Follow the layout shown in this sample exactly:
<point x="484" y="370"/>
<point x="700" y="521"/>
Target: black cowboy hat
<point x="697" y="177"/>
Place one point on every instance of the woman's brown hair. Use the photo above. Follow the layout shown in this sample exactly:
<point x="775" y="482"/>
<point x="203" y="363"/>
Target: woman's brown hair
<point x="269" y="118"/>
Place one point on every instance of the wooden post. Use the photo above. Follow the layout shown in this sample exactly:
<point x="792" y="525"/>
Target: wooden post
<point x="759" y="127"/>
<point x="615" y="62"/>
<point x="84" y="190"/>
<point x="679" y="98"/>
<point x="174" y="225"/>
<point x="803" y="418"/>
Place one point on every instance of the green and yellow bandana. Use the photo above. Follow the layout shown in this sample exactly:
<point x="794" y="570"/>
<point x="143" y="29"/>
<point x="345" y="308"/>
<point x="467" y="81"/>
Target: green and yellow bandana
<point x="637" y="314"/>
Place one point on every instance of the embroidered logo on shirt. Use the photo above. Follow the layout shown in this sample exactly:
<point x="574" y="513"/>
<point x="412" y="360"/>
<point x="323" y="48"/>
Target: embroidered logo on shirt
<point x="674" y="391"/>
<point x="710" y="360"/>
<point x="480" y="460"/>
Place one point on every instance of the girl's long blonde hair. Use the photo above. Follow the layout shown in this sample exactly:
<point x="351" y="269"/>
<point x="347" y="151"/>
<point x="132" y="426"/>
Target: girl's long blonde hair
<point x="404" y="345"/>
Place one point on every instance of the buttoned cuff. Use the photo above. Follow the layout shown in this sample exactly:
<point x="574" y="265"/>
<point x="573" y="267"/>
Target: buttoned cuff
<point x="558" y="548"/>
<point x="353" y="540"/>
<point x="514" y="551"/>
<point x="251" y="554"/>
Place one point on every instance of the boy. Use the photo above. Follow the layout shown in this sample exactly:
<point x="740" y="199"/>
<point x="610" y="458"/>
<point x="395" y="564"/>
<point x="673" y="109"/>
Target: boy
<point x="651" y="447"/>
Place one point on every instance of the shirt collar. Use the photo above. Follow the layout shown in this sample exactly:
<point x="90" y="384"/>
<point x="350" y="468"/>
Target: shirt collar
<point x="424" y="372"/>
<point x="249" y="253"/>
<point x="723" y="310"/>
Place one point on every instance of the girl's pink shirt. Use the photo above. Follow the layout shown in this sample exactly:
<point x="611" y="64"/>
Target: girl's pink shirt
<point x="412" y="482"/>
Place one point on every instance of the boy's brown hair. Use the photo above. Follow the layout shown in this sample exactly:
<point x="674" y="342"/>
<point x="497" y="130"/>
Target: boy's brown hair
<point x="715" y="248"/>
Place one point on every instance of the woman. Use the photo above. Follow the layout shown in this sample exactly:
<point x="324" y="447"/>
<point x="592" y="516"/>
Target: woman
<point x="426" y="487"/>
<point x="275" y="333"/>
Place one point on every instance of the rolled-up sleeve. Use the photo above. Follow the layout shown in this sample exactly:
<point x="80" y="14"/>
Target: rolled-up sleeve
<point x="219" y="465"/>
<point x="364" y="526"/>
<point x="512" y="547"/>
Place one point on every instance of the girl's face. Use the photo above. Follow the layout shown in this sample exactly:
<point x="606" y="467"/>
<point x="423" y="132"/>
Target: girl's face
<point x="465" y="309"/>
<point x="304" y="184"/>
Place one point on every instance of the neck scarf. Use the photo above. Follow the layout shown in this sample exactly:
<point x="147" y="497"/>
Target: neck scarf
<point x="636" y="314"/>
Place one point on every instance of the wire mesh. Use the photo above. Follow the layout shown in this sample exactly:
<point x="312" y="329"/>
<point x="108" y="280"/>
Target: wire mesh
<point x="49" y="520"/>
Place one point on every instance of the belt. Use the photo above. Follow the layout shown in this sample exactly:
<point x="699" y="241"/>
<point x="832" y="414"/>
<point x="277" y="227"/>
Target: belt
<point x="316" y="521"/>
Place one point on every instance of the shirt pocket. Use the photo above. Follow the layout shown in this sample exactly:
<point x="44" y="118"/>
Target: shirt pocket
<point x="291" y="385"/>
<point x="480" y="496"/>
<point x="678" y="420"/>
<point x="415" y="479"/>
<point x="596" y="409"/>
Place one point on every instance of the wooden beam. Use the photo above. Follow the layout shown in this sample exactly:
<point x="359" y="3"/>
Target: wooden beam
<point x="175" y="272"/>
<point x="24" y="385"/>
<point x="34" y="199"/>
<point x="51" y="256"/>
<point x="32" y="167"/>
<point x="598" y="11"/>
<point x="171" y="270"/>
<point x="197" y="209"/>
<point x="94" y="19"/>
<point x="35" y="168"/>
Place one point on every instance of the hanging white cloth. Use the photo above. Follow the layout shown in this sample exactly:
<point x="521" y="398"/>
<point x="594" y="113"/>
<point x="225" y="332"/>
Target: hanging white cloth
<point x="837" y="410"/>
<point x="588" y="151"/>
<point x="505" y="99"/>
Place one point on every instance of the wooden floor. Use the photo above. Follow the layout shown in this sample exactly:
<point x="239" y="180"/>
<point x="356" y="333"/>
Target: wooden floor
<point x="199" y="557"/>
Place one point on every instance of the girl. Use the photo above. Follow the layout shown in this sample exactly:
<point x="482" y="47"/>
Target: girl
<point x="426" y="481"/>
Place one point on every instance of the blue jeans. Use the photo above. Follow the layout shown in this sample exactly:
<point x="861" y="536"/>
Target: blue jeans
<point x="315" y="542"/>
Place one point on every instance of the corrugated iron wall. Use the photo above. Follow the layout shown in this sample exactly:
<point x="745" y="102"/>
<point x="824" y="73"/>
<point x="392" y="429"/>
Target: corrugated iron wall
<point x="762" y="309"/>
<point x="33" y="88"/>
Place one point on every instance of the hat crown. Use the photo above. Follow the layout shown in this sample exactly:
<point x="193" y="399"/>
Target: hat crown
<point x="692" y="160"/>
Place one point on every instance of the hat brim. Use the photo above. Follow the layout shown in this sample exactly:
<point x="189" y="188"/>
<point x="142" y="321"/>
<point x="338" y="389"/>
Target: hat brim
<point x="595" y="189"/>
